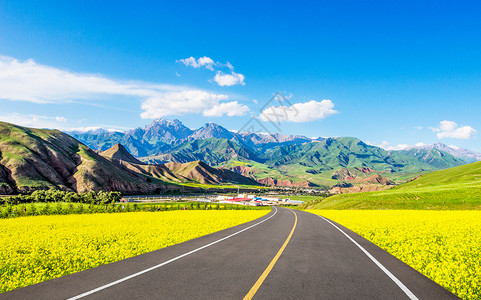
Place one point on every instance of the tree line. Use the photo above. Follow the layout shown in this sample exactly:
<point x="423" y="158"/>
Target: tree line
<point x="46" y="196"/>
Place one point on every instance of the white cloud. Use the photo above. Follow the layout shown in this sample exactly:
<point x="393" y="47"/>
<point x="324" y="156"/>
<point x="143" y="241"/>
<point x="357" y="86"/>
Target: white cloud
<point x="32" y="120"/>
<point x="398" y="147"/>
<point x="220" y="78"/>
<point x="230" y="66"/>
<point x="420" y="144"/>
<point x="93" y="129"/>
<point x="204" y="61"/>
<point x="190" y="101"/>
<point x="87" y="129"/>
<point x="33" y="82"/>
<point x="450" y="129"/>
<point x="387" y="146"/>
<point x="39" y="121"/>
<point x="299" y="112"/>
<point x="229" y="79"/>
<point x="418" y="127"/>
<point x="230" y="108"/>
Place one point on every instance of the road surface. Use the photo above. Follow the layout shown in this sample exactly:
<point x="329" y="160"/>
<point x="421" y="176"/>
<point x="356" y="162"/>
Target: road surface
<point x="287" y="254"/>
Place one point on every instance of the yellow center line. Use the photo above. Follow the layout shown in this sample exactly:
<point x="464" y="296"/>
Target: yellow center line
<point x="261" y="279"/>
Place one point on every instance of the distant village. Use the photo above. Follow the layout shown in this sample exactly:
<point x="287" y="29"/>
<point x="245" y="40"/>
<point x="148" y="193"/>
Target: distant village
<point x="253" y="200"/>
<point x="240" y="199"/>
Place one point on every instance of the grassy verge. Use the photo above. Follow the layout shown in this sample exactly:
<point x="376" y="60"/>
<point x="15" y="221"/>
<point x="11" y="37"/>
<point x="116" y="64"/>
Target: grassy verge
<point x="64" y="208"/>
<point x="441" y="198"/>
<point x="443" y="245"/>
<point x="39" y="248"/>
<point x="452" y="189"/>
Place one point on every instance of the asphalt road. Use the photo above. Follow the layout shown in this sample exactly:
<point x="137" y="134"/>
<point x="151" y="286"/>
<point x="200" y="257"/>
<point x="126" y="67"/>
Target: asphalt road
<point x="287" y="254"/>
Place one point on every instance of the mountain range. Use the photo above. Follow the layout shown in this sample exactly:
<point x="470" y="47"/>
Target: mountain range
<point x="32" y="159"/>
<point x="275" y="159"/>
<point x="465" y="154"/>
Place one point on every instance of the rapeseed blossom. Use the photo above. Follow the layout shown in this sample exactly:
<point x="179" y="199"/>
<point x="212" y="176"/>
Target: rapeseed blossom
<point x="39" y="248"/>
<point x="443" y="245"/>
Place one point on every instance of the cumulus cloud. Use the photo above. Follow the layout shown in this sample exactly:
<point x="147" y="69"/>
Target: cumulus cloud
<point x="41" y="121"/>
<point x="190" y="101"/>
<point x="230" y="108"/>
<point x="32" y="120"/>
<point x="204" y="61"/>
<point x="94" y="129"/>
<point x="229" y="79"/>
<point x="450" y="129"/>
<point x="299" y="112"/>
<point x="387" y="146"/>
<point x="33" y="82"/>
<point x="220" y="78"/>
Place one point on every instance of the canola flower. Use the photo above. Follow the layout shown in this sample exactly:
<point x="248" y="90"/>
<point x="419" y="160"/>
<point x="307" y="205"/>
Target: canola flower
<point x="39" y="248"/>
<point x="443" y="245"/>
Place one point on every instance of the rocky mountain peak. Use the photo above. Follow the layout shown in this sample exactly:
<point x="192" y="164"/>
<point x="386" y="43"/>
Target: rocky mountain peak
<point x="212" y="130"/>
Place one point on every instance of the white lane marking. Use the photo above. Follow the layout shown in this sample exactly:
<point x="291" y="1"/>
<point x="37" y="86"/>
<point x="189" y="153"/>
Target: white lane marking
<point x="166" y="262"/>
<point x="394" y="278"/>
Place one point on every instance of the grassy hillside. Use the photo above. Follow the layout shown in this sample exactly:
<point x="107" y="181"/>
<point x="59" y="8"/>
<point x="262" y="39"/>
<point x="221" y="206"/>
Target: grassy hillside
<point x="196" y="172"/>
<point x="317" y="162"/>
<point x="213" y="151"/>
<point x="32" y="159"/>
<point x="455" y="188"/>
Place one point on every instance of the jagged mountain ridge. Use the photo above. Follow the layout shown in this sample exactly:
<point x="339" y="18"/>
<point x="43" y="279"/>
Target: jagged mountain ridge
<point x="40" y="159"/>
<point x="32" y="159"/>
<point x="274" y="158"/>
<point x="189" y="172"/>
<point x="162" y="135"/>
<point x="465" y="154"/>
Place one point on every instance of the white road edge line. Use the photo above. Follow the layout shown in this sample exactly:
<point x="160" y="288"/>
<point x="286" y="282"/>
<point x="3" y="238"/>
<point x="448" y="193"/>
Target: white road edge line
<point x="394" y="278"/>
<point x="166" y="262"/>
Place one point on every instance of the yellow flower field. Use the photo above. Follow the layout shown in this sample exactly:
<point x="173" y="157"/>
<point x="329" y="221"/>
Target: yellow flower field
<point x="36" y="249"/>
<point x="443" y="245"/>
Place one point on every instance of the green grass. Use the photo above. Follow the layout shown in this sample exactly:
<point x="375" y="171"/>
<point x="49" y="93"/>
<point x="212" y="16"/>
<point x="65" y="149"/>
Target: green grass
<point x="451" y="189"/>
<point x="216" y="186"/>
<point x="65" y="208"/>
<point x="300" y="197"/>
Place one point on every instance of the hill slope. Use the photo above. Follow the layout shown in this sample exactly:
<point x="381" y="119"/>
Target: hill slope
<point x="33" y="159"/>
<point x="189" y="172"/>
<point x="282" y="160"/>
<point x="118" y="152"/>
<point x="199" y="171"/>
<point x="455" y="188"/>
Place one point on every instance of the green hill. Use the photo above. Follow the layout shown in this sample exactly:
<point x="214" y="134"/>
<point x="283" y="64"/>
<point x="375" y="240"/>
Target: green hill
<point x="32" y="159"/>
<point x="320" y="162"/>
<point x="455" y="188"/>
<point x="213" y="151"/>
<point x="310" y="163"/>
<point x="274" y="159"/>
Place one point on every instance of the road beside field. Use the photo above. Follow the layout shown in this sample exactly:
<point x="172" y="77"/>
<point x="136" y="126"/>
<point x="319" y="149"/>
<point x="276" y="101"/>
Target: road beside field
<point x="287" y="254"/>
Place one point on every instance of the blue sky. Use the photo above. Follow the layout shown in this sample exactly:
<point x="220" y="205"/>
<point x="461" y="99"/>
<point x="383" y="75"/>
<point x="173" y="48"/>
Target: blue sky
<point x="398" y="73"/>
